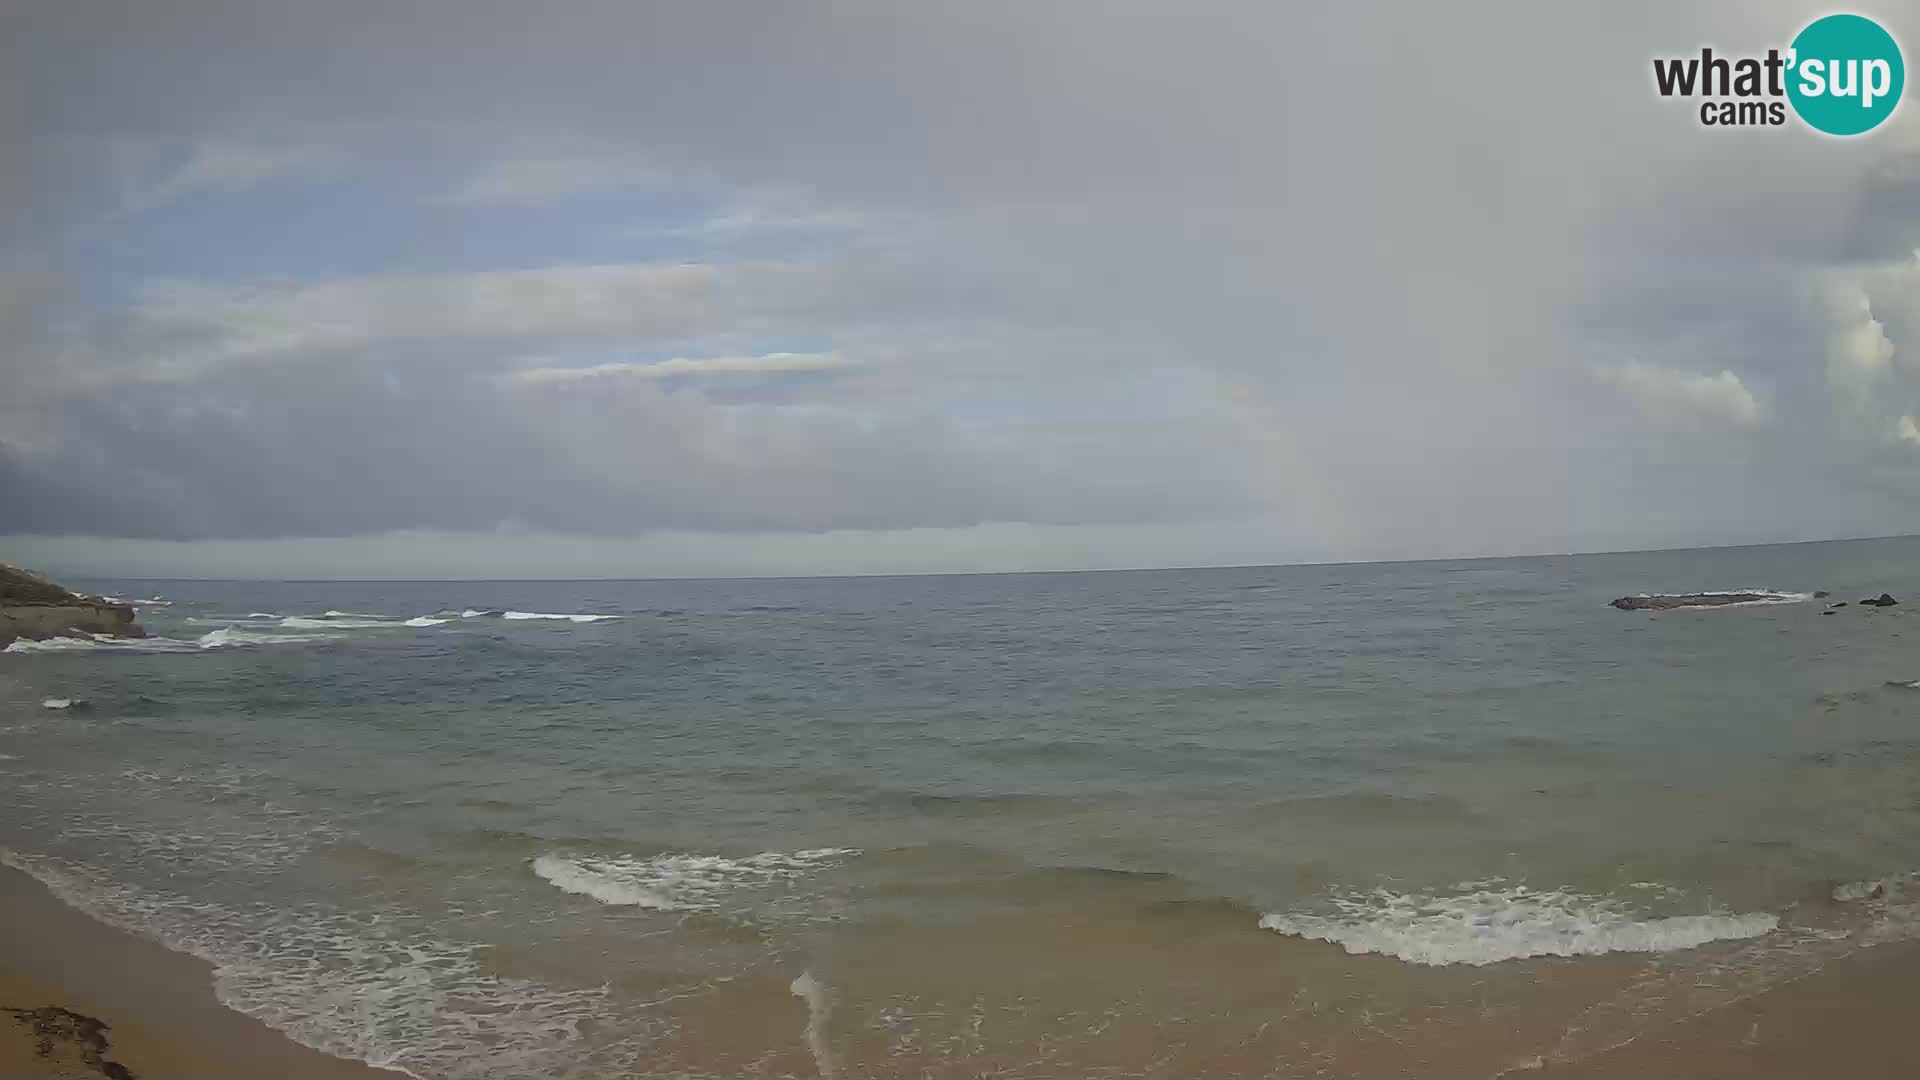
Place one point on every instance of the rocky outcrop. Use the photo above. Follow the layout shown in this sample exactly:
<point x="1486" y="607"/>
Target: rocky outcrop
<point x="34" y="608"/>
<point x="1883" y="600"/>
<point x="1680" y="600"/>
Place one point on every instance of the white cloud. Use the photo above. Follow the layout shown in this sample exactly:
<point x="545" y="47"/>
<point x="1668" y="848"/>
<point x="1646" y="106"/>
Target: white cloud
<point x="681" y="366"/>
<point x="1907" y="431"/>
<point x="1859" y="353"/>
<point x="1686" y="398"/>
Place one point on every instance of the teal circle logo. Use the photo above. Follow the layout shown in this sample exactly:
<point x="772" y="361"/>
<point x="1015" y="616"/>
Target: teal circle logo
<point x="1845" y="74"/>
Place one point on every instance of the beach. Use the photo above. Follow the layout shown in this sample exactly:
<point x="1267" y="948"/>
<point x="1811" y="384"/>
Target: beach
<point x="157" y="1015"/>
<point x="159" y="1020"/>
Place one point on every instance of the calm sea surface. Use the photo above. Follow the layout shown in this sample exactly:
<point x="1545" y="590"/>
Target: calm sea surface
<point x="1395" y="819"/>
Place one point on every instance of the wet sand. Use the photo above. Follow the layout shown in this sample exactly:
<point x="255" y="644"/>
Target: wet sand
<point x="83" y="1000"/>
<point x="86" y="1000"/>
<point x="1852" y="1019"/>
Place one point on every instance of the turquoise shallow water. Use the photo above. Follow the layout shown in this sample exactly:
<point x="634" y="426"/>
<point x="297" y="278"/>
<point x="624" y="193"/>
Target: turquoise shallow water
<point x="1313" y="820"/>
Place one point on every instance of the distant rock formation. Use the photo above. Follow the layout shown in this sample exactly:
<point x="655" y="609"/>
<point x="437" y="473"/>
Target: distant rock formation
<point x="1882" y="601"/>
<point x="34" y="608"/>
<point x="1662" y="603"/>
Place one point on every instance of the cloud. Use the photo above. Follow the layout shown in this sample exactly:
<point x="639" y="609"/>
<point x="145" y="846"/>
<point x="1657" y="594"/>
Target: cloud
<point x="178" y="331"/>
<point x="1859" y="354"/>
<point x="1907" y="431"/>
<point x="1685" y="398"/>
<point x="1136" y="279"/>
<point x="778" y="363"/>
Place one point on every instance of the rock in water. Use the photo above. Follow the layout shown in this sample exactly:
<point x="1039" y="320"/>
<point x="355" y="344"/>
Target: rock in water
<point x="1883" y="601"/>
<point x="1680" y="600"/>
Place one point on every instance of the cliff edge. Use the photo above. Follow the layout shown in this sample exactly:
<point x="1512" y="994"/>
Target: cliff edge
<point x="33" y="607"/>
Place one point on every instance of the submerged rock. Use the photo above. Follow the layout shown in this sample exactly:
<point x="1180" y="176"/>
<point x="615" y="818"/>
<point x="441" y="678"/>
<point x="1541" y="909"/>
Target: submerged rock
<point x="1680" y="600"/>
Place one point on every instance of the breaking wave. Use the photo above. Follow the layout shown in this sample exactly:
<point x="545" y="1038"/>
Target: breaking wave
<point x="225" y="637"/>
<point x="1486" y="925"/>
<point x="546" y="615"/>
<point x="680" y="882"/>
<point x="375" y="990"/>
<point x="331" y="621"/>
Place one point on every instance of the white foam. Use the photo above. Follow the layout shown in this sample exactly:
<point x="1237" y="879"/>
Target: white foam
<point x="264" y="615"/>
<point x="8" y="757"/>
<point x="58" y="703"/>
<point x="90" y="643"/>
<point x="366" y="986"/>
<point x="586" y="877"/>
<point x="425" y="620"/>
<point x="1488" y="925"/>
<point x="351" y="615"/>
<point x="819" y="1008"/>
<point x="234" y="635"/>
<point x="680" y="882"/>
<point x="547" y="615"/>
<point x="475" y="613"/>
<point x="224" y="637"/>
<point x="332" y="622"/>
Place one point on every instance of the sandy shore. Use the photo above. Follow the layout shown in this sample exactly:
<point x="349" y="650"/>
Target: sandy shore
<point x="86" y="1000"/>
<point x="1852" y="1019"/>
<point x="82" y="999"/>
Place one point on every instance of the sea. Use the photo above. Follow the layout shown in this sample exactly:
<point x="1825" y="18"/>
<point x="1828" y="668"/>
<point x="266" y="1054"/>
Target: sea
<point x="1430" y="818"/>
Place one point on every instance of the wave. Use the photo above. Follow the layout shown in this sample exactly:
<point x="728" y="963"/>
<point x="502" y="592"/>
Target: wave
<point x="63" y="703"/>
<point x="1487" y="925"/>
<point x="90" y="643"/>
<point x="425" y="620"/>
<point x="370" y="990"/>
<point x="224" y="637"/>
<point x="499" y="613"/>
<point x="680" y="882"/>
<point x="332" y="622"/>
<point x="234" y="635"/>
<point x="604" y="882"/>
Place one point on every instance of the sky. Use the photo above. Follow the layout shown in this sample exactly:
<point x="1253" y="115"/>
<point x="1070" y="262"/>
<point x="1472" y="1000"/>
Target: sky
<point x="485" y="289"/>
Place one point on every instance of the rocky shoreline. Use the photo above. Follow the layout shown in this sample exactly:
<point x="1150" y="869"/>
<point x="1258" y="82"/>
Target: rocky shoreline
<point x="34" y="608"/>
